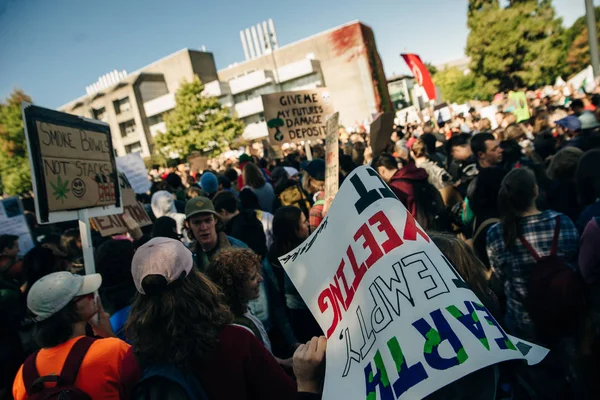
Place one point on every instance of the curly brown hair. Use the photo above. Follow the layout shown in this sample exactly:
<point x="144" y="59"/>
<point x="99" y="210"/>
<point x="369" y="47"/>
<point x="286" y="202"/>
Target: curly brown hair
<point x="231" y="270"/>
<point x="179" y="326"/>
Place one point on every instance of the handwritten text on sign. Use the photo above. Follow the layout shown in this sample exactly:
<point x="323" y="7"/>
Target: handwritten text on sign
<point x="78" y="172"/>
<point x="400" y="322"/>
<point x="297" y="116"/>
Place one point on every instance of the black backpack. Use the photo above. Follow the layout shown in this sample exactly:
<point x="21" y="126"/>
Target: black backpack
<point x="246" y="227"/>
<point x="556" y="298"/>
<point x="160" y="382"/>
<point x="432" y="214"/>
<point x="65" y="388"/>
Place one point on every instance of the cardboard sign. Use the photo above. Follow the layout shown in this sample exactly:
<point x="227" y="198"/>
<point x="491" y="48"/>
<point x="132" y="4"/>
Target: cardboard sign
<point x="13" y="222"/>
<point x="72" y="161"/>
<point x="132" y="165"/>
<point x="197" y="163"/>
<point x="400" y="321"/>
<point x="381" y="131"/>
<point x="332" y="158"/>
<point x="518" y="103"/>
<point x="297" y="116"/>
<point x="113" y="224"/>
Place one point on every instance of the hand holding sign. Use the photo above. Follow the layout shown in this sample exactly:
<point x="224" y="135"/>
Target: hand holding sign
<point x="400" y="321"/>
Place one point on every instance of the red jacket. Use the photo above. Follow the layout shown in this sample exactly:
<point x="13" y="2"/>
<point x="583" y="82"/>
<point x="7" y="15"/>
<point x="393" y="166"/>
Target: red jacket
<point x="402" y="186"/>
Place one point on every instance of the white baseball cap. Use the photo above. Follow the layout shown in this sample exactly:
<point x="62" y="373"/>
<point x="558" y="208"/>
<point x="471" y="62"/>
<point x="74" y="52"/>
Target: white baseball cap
<point x="53" y="292"/>
<point x="162" y="256"/>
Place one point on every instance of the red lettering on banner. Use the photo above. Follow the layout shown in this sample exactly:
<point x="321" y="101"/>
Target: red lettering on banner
<point x="411" y="229"/>
<point x="337" y="296"/>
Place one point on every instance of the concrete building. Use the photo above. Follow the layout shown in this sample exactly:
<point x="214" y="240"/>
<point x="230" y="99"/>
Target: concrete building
<point x="133" y="104"/>
<point x="344" y="59"/>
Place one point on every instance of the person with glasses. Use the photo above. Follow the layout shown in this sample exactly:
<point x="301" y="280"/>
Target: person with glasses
<point x="63" y="304"/>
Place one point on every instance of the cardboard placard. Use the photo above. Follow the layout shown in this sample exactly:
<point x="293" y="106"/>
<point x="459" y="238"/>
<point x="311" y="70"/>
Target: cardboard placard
<point x="13" y="222"/>
<point x="73" y="162"/>
<point x="381" y="131"/>
<point x="197" y="163"/>
<point x="113" y="224"/>
<point x="400" y="321"/>
<point x="332" y="158"/>
<point x="132" y="165"/>
<point x="297" y="116"/>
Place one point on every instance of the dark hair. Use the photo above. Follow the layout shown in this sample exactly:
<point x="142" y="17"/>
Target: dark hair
<point x="587" y="177"/>
<point x="174" y="181"/>
<point x="478" y="142"/>
<point x="231" y="174"/>
<point x="517" y="193"/>
<point x="231" y="269"/>
<point x="113" y="261"/>
<point x="544" y="145"/>
<point x="577" y="103"/>
<point x="286" y="222"/>
<point x="253" y="176"/>
<point x="563" y="165"/>
<point x="483" y="194"/>
<point x="180" y="325"/>
<point x="386" y="161"/>
<point x="165" y="227"/>
<point x="69" y="244"/>
<point x="419" y="149"/>
<point x="458" y="140"/>
<point x="223" y="180"/>
<point x="7" y="242"/>
<point x="511" y="153"/>
<point x="429" y="140"/>
<point x="56" y="329"/>
<point x="248" y="200"/>
<point x="38" y="262"/>
<point x="596" y="100"/>
<point x="226" y="200"/>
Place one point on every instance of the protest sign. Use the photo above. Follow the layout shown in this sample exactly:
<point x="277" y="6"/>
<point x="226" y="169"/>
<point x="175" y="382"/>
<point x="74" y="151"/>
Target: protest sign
<point x="518" y="105"/>
<point x="489" y="112"/>
<point x="408" y="115"/>
<point x="197" y="162"/>
<point x="135" y="170"/>
<point x="114" y="224"/>
<point x="443" y="111"/>
<point x="72" y="162"/>
<point x="380" y="132"/>
<point x="332" y="158"/>
<point x="400" y="321"/>
<point x="13" y="222"/>
<point x="297" y="116"/>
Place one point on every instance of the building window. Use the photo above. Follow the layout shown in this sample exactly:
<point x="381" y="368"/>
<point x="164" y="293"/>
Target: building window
<point x="100" y="113"/>
<point x="133" y="148"/>
<point x="127" y="128"/>
<point x="155" y="119"/>
<point x="122" y="105"/>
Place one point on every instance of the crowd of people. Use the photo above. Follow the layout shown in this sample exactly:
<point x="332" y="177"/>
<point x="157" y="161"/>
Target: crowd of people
<point x="197" y="304"/>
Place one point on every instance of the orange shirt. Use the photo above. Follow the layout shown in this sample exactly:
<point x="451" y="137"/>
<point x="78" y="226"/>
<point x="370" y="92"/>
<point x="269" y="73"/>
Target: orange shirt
<point x="108" y="371"/>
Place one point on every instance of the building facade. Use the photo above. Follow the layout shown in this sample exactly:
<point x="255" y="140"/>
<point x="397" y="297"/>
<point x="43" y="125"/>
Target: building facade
<point x="134" y="104"/>
<point x="343" y="59"/>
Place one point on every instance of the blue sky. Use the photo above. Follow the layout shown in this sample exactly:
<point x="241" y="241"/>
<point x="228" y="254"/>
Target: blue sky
<point x="53" y="49"/>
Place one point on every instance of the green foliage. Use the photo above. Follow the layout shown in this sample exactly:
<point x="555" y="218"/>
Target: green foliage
<point x="518" y="46"/>
<point x="197" y="123"/>
<point x="14" y="162"/>
<point x="456" y="87"/>
<point x="577" y="45"/>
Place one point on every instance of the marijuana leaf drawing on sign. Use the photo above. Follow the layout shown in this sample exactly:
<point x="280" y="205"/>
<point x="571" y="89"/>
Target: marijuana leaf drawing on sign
<point x="60" y="189"/>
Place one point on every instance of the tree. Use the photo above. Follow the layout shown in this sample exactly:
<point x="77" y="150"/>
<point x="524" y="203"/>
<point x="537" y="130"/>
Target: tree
<point x="197" y="123"/>
<point x="458" y="87"/>
<point x="14" y="161"/>
<point x="578" y="47"/>
<point x="521" y="45"/>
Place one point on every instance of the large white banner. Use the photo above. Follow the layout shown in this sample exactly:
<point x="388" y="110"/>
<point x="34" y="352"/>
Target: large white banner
<point x="400" y="321"/>
<point x="13" y="222"/>
<point x="132" y="165"/>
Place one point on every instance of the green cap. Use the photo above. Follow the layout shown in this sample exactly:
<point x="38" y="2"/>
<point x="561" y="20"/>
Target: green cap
<point x="199" y="205"/>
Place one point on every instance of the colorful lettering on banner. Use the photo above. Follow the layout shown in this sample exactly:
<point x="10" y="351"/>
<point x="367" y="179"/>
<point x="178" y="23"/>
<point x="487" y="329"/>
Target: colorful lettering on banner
<point x="400" y="321"/>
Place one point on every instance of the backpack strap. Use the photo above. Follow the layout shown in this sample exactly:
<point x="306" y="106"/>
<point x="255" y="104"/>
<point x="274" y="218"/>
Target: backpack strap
<point x="68" y="375"/>
<point x="553" y="249"/>
<point x="30" y="373"/>
<point x="485" y="224"/>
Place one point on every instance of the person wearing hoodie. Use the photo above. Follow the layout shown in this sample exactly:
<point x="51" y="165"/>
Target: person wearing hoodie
<point x="401" y="180"/>
<point x="288" y="191"/>
<point x="163" y="205"/>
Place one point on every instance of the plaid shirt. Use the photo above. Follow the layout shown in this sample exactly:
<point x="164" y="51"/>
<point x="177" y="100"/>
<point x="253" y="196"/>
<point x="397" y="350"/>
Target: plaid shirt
<point x="513" y="266"/>
<point x="316" y="212"/>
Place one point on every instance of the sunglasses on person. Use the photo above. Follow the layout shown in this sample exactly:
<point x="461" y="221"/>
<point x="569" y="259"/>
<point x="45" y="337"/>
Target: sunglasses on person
<point x="89" y="296"/>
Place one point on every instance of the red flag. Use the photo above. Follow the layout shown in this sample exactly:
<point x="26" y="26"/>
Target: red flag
<point x="420" y="73"/>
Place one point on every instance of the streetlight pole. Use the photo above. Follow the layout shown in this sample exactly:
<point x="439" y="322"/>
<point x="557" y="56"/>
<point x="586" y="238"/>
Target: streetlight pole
<point x="592" y="36"/>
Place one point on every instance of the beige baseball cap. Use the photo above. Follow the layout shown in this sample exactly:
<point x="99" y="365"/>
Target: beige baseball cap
<point x="161" y="256"/>
<point x="53" y="292"/>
